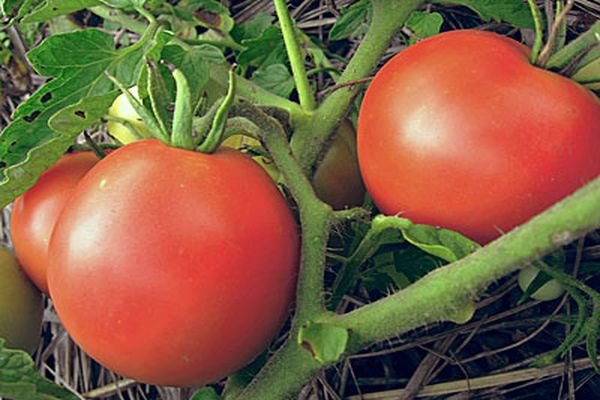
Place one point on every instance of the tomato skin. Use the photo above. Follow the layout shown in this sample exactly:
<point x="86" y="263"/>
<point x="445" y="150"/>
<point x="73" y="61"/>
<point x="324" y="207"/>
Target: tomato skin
<point x="166" y="269"/>
<point x="35" y="213"/>
<point x="461" y="131"/>
<point x="21" y="306"/>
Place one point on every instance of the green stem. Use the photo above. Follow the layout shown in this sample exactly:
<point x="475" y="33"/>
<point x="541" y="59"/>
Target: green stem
<point x="554" y="34"/>
<point x="99" y="151"/>
<point x="181" y="135"/>
<point x="539" y="32"/>
<point x="584" y="42"/>
<point x="310" y="137"/>
<point x="251" y="91"/>
<point x="296" y="56"/>
<point x="284" y="375"/>
<point x="315" y="216"/>
<point x="445" y="291"/>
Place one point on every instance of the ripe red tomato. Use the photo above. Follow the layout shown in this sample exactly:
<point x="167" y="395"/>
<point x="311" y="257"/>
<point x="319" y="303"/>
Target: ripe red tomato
<point x="461" y="131"/>
<point x="35" y="213"/>
<point x="174" y="267"/>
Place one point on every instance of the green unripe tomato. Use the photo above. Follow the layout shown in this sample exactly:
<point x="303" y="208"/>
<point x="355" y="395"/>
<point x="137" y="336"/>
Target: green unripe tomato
<point x="122" y="108"/>
<point x="21" y="306"/>
<point x="550" y="290"/>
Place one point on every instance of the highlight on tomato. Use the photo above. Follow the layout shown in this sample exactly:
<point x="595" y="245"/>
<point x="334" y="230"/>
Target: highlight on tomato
<point x="35" y="213"/>
<point x="462" y="131"/>
<point x="21" y="306"/>
<point x="174" y="267"/>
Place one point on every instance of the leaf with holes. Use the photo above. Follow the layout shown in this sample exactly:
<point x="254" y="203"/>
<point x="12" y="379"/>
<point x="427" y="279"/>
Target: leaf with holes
<point x="76" y="62"/>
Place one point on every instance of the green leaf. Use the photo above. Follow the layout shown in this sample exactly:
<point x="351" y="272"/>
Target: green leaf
<point x="448" y="245"/>
<point x="267" y="49"/>
<point x="276" y="79"/>
<point x="206" y="393"/>
<point x="325" y="342"/>
<point x="515" y="12"/>
<point x="253" y="28"/>
<point x="77" y="62"/>
<point x="55" y="8"/>
<point x="424" y="24"/>
<point x="20" y="380"/>
<point x="352" y="23"/>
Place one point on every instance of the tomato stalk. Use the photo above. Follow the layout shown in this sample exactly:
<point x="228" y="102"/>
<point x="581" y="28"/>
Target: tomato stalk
<point x="554" y="34"/>
<point x="539" y="33"/>
<point x="181" y="136"/>
<point x="305" y="92"/>
<point x="582" y="44"/>
<point x="309" y="139"/>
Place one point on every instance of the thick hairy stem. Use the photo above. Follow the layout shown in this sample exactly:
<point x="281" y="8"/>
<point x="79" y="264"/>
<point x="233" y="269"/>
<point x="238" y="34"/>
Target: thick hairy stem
<point x="388" y="17"/>
<point x="251" y="91"/>
<point x="444" y="293"/>
<point x="315" y="216"/>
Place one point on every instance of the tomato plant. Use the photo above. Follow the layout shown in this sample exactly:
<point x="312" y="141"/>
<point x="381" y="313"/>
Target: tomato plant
<point x="165" y="268"/>
<point x="461" y="131"/>
<point x="35" y="213"/>
<point x="21" y="306"/>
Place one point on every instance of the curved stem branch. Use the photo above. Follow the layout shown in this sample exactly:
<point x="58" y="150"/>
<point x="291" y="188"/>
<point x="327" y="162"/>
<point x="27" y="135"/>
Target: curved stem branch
<point x="388" y="17"/>
<point x="316" y="217"/>
<point x="446" y="291"/>
<point x="305" y="92"/>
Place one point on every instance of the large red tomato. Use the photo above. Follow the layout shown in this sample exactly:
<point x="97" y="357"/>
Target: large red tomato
<point x="461" y="131"/>
<point x="174" y="267"/>
<point x="35" y="213"/>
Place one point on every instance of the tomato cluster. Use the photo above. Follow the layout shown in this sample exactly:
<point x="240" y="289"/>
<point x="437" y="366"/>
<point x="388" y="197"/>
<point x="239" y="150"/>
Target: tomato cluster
<point x="177" y="267"/>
